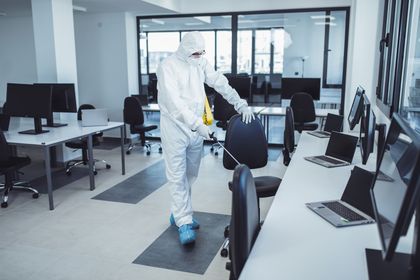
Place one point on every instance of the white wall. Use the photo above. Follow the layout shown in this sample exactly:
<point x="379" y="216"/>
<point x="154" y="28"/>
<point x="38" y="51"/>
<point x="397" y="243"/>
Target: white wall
<point x="363" y="53"/>
<point x="17" y="52"/>
<point x="101" y="53"/>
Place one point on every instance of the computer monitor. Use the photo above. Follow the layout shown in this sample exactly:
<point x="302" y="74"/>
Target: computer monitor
<point x="290" y="86"/>
<point x="63" y="101"/>
<point x="242" y="84"/>
<point x="356" y="108"/>
<point x="367" y="130"/>
<point x="394" y="203"/>
<point x="33" y="101"/>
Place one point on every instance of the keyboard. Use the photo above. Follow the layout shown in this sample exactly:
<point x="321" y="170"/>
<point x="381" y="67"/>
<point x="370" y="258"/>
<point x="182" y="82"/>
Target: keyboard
<point x="343" y="211"/>
<point x="328" y="159"/>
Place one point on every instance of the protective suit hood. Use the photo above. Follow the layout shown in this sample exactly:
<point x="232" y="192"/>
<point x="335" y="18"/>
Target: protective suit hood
<point x="191" y="42"/>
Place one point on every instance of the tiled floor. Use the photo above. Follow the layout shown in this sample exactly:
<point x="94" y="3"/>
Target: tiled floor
<point x="85" y="238"/>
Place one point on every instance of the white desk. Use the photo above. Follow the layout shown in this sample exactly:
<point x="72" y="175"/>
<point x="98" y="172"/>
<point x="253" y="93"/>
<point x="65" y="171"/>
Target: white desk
<point x="294" y="242"/>
<point x="59" y="135"/>
<point x="281" y="111"/>
<point x="153" y="107"/>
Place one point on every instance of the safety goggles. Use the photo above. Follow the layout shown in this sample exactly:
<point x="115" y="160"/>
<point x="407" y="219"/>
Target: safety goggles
<point x="198" y="54"/>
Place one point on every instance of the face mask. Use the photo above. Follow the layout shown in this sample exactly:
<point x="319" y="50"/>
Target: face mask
<point x="195" y="61"/>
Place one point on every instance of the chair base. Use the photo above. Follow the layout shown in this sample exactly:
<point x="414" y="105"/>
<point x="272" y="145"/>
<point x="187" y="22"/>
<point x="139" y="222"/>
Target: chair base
<point x="146" y="145"/>
<point x="21" y="185"/>
<point x="73" y="163"/>
<point x="215" y="149"/>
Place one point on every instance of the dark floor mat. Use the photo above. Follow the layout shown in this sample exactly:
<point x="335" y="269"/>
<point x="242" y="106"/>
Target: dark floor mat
<point x="138" y="186"/>
<point x="60" y="179"/>
<point x="167" y="252"/>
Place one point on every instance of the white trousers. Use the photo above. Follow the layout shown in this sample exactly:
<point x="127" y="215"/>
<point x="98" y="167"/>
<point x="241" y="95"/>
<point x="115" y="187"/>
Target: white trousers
<point x="182" y="151"/>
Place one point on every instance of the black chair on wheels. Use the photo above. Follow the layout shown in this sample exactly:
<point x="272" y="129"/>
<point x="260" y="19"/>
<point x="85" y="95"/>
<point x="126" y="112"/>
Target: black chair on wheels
<point x="248" y="144"/>
<point x="81" y="144"/>
<point x="133" y="116"/>
<point x="9" y="165"/>
<point x="289" y="136"/>
<point x="222" y="112"/>
<point x="303" y="111"/>
<point x="244" y="223"/>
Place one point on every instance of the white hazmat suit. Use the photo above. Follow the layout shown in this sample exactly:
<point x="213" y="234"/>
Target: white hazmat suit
<point x="181" y="98"/>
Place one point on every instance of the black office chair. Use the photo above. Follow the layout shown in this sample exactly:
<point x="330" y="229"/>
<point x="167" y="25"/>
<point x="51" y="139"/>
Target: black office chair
<point x="303" y="111"/>
<point x="133" y="116"/>
<point x="81" y="144"/>
<point x="244" y="223"/>
<point x="334" y="123"/>
<point x="9" y="165"/>
<point x="289" y="136"/>
<point x="222" y="112"/>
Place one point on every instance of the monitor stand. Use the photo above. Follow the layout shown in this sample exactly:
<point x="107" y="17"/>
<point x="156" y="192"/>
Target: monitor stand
<point x="380" y="127"/>
<point x="398" y="268"/>
<point x="51" y="123"/>
<point x="37" y="130"/>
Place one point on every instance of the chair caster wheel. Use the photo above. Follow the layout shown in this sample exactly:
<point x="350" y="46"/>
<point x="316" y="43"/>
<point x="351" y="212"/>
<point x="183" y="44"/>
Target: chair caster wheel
<point x="216" y="153"/>
<point x="226" y="232"/>
<point x="148" y="153"/>
<point x="4" y="205"/>
<point x="35" y="195"/>
<point x="160" y="150"/>
<point x="211" y="149"/>
<point x="224" y="253"/>
<point x="108" y="166"/>
<point x="128" y="152"/>
<point x="68" y="173"/>
<point x="95" y="172"/>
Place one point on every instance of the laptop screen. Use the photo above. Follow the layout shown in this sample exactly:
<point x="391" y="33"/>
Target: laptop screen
<point x="357" y="191"/>
<point x="342" y="146"/>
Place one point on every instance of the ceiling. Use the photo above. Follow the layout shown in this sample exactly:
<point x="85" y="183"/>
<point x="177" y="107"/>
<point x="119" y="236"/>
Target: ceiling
<point x="23" y="7"/>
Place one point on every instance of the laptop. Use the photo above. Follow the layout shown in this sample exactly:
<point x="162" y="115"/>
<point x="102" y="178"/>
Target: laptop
<point x="94" y="117"/>
<point x="340" y="151"/>
<point x="354" y="207"/>
<point x="333" y="123"/>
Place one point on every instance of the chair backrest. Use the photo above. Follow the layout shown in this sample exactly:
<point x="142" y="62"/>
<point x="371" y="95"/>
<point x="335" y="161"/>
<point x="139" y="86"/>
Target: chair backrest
<point x="289" y="131"/>
<point x="5" y="151"/>
<point x="246" y="142"/>
<point x="133" y="113"/>
<point x="222" y="110"/>
<point x="334" y="123"/>
<point x="244" y="224"/>
<point x="303" y="107"/>
<point x="83" y="107"/>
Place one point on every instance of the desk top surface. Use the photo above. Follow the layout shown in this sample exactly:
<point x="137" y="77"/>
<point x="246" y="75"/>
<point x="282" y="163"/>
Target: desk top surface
<point x="281" y="111"/>
<point x="294" y="242"/>
<point x="56" y="135"/>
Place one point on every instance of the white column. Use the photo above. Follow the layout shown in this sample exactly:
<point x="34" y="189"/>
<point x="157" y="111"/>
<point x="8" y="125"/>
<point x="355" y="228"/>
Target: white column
<point x="55" y="48"/>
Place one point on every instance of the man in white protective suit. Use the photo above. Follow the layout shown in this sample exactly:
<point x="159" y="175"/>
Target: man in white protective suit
<point x="181" y="99"/>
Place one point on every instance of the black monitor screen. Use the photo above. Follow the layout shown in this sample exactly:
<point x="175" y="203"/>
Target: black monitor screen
<point x="394" y="201"/>
<point x="63" y="98"/>
<point x="356" y="108"/>
<point x="242" y="84"/>
<point x="28" y="100"/>
<point x="290" y="86"/>
<point x="367" y="130"/>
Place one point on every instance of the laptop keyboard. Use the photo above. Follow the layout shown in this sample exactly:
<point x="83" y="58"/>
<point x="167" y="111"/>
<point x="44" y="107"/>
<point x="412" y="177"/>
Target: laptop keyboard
<point x="343" y="211"/>
<point x="330" y="160"/>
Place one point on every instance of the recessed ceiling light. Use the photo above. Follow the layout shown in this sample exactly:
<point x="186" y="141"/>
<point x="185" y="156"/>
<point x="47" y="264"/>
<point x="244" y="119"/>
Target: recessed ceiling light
<point x="325" y="23"/>
<point x="79" y="8"/>
<point x="158" y="21"/>
<point x="193" y="23"/>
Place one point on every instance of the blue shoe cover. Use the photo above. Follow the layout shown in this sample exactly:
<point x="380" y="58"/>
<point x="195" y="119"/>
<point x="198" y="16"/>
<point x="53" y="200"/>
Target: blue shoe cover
<point x="186" y="234"/>
<point x="194" y="225"/>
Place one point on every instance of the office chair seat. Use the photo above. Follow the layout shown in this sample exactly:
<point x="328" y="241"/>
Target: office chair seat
<point x="265" y="186"/>
<point x="141" y="128"/>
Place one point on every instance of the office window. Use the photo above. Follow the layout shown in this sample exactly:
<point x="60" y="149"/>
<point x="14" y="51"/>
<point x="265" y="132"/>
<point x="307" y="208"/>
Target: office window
<point x="224" y="51"/>
<point x="244" y="51"/>
<point x="161" y="45"/>
<point x="143" y="52"/>
<point x="278" y="42"/>
<point x="410" y="93"/>
<point x="262" y="51"/>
